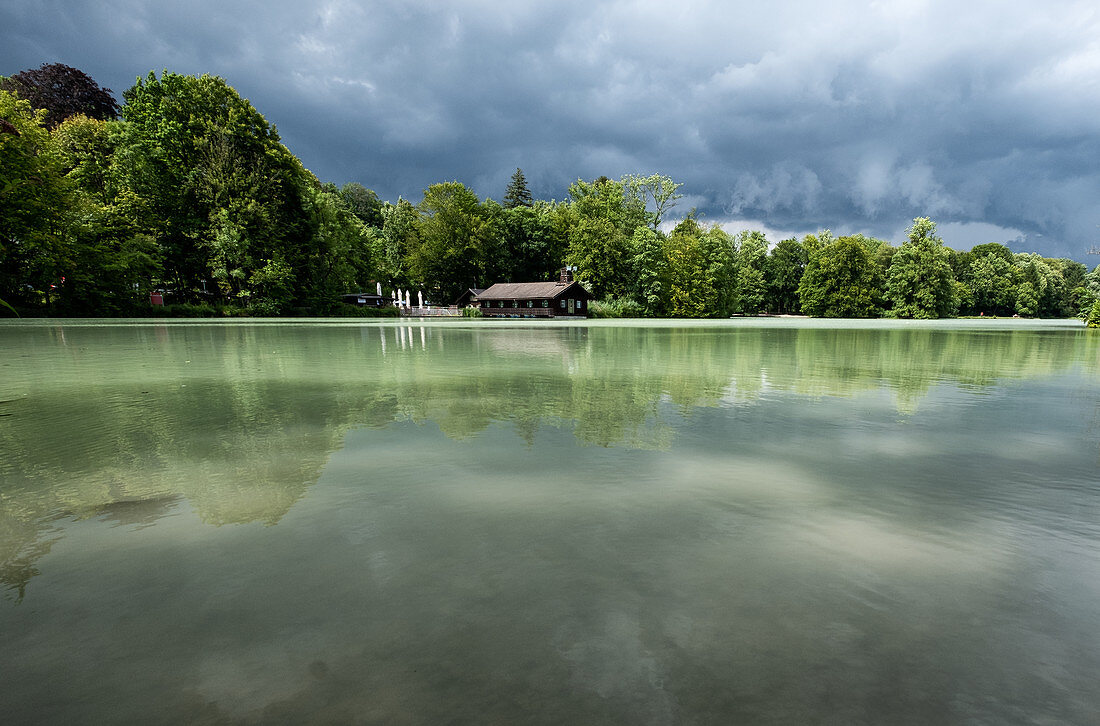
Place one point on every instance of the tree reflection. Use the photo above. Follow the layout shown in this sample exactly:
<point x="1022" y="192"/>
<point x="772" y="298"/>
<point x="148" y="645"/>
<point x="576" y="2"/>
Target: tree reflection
<point x="128" y="423"/>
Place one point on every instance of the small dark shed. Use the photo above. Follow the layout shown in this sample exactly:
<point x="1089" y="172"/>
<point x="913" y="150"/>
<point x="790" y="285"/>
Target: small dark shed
<point x="368" y="299"/>
<point x="469" y="297"/>
<point x="564" y="298"/>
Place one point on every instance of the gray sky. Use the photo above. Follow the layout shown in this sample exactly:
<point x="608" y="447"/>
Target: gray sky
<point x="787" y="116"/>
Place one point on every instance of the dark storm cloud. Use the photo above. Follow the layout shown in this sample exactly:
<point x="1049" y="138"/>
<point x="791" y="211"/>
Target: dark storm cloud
<point x="796" y="116"/>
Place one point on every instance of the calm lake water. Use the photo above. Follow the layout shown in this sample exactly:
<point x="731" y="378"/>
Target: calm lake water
<point x="483" y="522"/>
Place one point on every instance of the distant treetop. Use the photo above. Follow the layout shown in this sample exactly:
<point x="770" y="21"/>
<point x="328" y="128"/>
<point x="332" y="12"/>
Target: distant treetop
<point x="63" y="91"/>
<point x="518" y="195"/>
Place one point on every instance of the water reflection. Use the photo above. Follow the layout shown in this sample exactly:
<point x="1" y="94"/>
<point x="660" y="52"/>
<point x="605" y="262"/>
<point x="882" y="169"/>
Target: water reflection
<point x="238" y="421"/>
<point x="574" y="524"/>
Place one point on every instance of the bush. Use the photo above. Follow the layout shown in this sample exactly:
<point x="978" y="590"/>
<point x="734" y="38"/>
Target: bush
<point x="363" y="311"/>
<point x="1085" y="300"/>
<point x="194" y="310"/>
<point x="470" y="312"/>
<point x="616" y="308"/>
<point x="1093" y="318"/>
<point x="263" y="309"/>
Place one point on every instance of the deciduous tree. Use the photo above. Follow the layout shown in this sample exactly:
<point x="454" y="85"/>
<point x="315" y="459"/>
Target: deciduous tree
<point x="603" y="220"/>
<point x="225" y="192"/>
<point x="701" y="271"/>
<point x="921" y="283"/>
<point x="651" y="271"/>
<point x="752" y="254"/>
<point x="1092" y="319"/>
<point x="111" y="258"/>
<point x="840" y="281"/>
<point x="656" y="193"/>
<point x="63" y="91"/>
<point x="452" y="233"/>
<point x="785" y="265"/>
<point x="993" y="282"/>
<point x="363" y="203"/>
<point x="34" y="204"/>
<point x="399" y="240"/>
<point x="533" y="246"/>
<point x="1046" y="286"/>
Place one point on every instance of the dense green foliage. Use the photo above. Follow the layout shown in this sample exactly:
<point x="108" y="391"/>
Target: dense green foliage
<point x="1093" y="317"/>
<point x="841" y="281"/>
<point x="783" y="272"/>
<point x="921" y="282"/>
<point x="192" y="194"/>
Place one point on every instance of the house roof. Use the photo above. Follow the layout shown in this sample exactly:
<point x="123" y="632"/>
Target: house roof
<point x="525" y="290"/>
<point x="364" y="295"/>
<point x="470" y="292"/>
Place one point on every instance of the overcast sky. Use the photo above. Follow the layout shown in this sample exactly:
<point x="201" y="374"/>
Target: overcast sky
<point x="788" y="116"/>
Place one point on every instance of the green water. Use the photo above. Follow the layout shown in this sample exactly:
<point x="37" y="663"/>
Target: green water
<point x="775" y="522"/>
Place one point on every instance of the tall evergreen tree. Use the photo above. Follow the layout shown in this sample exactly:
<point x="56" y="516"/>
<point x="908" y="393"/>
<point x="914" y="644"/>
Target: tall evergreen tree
<point x="517" y="194"/>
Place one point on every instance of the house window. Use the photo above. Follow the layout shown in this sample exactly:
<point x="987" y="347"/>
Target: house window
<point x="501" y="304"/>
<point x="546" y="303"/>
<point x="563" y="303"/>
<point x="580" y="305"/>
<point x="529" y="303"/>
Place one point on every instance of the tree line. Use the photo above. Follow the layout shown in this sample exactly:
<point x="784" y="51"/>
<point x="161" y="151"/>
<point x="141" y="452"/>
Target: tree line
<point x="187" y="188"/>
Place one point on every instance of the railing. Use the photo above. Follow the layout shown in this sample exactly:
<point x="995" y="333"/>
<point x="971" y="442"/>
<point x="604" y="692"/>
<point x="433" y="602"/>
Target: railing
<point x="521" y="312"/>
<point x="432" y="311"/>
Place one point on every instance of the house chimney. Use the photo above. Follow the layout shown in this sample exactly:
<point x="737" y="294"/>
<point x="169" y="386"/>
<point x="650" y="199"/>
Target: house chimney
<point x="566" y="276"/>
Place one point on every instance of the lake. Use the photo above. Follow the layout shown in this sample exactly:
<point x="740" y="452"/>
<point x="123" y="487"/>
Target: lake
<point x="764" y="521"/>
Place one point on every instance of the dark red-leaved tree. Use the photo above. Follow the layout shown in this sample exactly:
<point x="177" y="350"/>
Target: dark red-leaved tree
<point x="63" y="91"/>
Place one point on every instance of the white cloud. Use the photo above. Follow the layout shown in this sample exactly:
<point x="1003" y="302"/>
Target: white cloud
<point x="964" y="235"/>
<point x="786" y="185"/>
<point x="859" y="114"/>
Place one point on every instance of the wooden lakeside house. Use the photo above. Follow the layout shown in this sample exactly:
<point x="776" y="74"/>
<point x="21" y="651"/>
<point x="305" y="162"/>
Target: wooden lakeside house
<point x="562" y="298"/>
